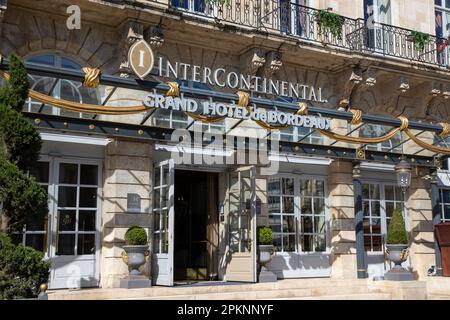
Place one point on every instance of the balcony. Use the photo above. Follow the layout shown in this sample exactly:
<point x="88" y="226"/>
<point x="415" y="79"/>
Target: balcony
<point x="295" y="21"/>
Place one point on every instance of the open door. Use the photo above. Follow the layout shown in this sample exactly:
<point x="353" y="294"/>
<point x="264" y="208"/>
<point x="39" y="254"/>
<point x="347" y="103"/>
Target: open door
<point x="242" y="225"/>
<point x="163" y="222"/>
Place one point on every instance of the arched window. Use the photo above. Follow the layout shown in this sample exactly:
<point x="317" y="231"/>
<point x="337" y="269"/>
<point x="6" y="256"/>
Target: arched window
<point x="59" y="88"/>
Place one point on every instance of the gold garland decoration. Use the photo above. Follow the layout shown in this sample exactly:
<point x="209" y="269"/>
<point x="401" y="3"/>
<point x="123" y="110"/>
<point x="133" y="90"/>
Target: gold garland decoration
<point x="359" y="140"/>
<point x="80" y="107"/>
<point x="91" y="77"/>
<point x="445" y="130"/>
<point x="425" y="145"/>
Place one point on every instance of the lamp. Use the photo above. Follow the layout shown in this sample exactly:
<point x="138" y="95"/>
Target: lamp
<point x="403" y="171"/>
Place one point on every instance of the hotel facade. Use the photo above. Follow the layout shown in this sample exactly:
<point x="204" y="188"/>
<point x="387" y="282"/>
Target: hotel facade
<point x="201" y="121"/>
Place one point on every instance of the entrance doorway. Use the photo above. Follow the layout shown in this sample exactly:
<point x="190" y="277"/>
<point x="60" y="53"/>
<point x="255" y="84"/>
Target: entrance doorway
<point x="196" y="229"/>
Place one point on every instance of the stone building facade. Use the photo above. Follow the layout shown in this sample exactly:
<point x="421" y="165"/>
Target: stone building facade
<point x="309" y="203"/>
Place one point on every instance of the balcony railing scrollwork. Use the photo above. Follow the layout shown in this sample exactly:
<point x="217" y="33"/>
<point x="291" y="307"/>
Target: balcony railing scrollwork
<point x="293" y="20"/>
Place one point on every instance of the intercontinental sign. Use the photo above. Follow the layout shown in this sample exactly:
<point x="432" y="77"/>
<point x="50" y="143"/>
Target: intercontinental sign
<point x="142" y="62"/>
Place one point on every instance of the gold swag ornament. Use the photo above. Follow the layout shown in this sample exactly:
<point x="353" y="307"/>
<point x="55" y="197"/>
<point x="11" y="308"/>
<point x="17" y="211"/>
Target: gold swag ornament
<point x="91" y="77"/>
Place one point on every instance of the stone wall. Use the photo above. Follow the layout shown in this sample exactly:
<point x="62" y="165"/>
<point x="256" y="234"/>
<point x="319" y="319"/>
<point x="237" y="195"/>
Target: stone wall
<point x="127" y="170"/>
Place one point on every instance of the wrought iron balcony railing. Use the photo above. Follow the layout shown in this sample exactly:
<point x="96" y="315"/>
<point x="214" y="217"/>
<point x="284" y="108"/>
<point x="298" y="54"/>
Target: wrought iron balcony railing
<point x="293" y="20"/>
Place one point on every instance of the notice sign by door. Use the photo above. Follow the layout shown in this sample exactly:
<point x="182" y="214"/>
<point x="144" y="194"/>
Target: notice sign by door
<point x="133" y="203"/>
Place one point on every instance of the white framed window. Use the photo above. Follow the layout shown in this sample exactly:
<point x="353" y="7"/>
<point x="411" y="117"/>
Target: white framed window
<point x="61" y="89"/>
<point x="442" y="18"/>
<point x="379" y="202"/>
<point x="444" y="202"/>
<point x="298" y="214"/>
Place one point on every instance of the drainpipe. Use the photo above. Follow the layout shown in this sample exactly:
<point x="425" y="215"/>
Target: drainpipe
<point x="437" y="213"/>
<point x="359" y="217"/>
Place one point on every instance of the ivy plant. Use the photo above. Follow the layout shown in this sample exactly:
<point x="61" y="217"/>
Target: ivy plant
<point x="217" y="2"/>
<point x="420" y="39"/>
<point x="329" y="23"/>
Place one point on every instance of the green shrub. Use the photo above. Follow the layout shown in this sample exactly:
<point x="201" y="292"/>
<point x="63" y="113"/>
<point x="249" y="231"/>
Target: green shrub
<point x="420" y="39"/>
<point x="22" y="270"/>
<point x="265" y="236"/>
<point x="136" y="236"/>
<point x="396" y="233"/>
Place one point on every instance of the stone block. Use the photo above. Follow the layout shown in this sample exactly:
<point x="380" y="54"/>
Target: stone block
<point x="112" y="190"/>
<point x="128" y="176"/>
<point x="129" y="148"/>
<point x="128" y="162"/>
<point x="341" y="212"/>
<point x="343" y="266"/>
<point x="128" y="220"/>
<point x="343" y="225"/>
<point x="340" y="190"/>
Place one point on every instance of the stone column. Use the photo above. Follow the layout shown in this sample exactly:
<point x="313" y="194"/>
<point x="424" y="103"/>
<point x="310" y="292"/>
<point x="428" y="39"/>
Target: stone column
<point x="342" y="220"/>
<point x="420" y="218"/>
<point x="128" y="167"/>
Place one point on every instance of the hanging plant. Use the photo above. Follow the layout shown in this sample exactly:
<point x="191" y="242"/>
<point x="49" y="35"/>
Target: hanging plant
<point x="329" y="22"/>
<point x="217" y="2"/>
<point x="420" y="39"/>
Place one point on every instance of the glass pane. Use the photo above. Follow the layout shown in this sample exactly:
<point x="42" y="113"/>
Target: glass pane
<point x="289" y="243"/>
<point x="306" y="188"/>
<point x="156" y="199"/>
<point x="277" y="242"/>
<point x="88" y="175"/>
<point x="307" y="243"/>
<point x="41" y="172"/>
<point x="165" y="242"/>
<point x="319" y="224"/>
<point x="307" y="224"/>
<point x="447" y="212"/>
<point x="274" y="186"/>
<point x="156" y="242"/>
<point x="274" y="205"/>
<point x="275" y="223"/>
<point x="389" y="209"/>
<point x="288" y="186"/>
<point x="88" y="197"/>
<point x="366" y="208"/>
<point x="376" y="242"/>
<point x="365" y="191"/>
<point x="288" y="224"/>
<point x="68" y="173"/>
<point x="389" y="192"/>
<point x="165" y="177"/>
<point x="69" y="64"/>
<point x="376" y="212"/>
<point x="86" y="220"/>
<point x="17" y="238"/>
<point x="375" y="191"/>
<point x="376" y="226"/>
<point x="288" y="204"/>
<point x="319" y="206"/>
<point x="157" y="176"/>
<point x="306" y="206"/>
<point x="320" y="244"/>
<point x="367" y="243"/>
<point x="446" y="196"/>
<point x="156" y="220"/>
<point x="67" y="197"/>
<point x="36" y="241"/>
<point x="398" y="194"/>
<point x="37" y="224"/>
<point x="86" y="244"/>
<point x="319" y="189"/>
<point x="48" y="60"/>
<point x="67" y="220"/>
<point x="66" y="245"/>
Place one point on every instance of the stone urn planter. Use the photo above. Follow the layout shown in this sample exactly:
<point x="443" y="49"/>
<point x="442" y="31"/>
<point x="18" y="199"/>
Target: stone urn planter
<point x="397" y="248"/>
<point x="135" y="252"/>
<point x="135" y="258"/>
<point x="265" y="252"/>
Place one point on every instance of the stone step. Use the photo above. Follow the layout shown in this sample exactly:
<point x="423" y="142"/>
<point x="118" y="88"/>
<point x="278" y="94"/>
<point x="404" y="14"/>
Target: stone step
<point x="316" y="286"/>
<point x="364" y="296"/>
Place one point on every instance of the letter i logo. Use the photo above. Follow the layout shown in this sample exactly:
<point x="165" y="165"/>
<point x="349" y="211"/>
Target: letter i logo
<point x="141" y="58"/>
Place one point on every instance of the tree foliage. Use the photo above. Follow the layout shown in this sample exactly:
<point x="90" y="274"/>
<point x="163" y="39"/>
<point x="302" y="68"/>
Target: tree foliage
<point x="23" y="199"/>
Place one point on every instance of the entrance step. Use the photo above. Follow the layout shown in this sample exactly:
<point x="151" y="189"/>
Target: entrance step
<point x="282" y="289"/>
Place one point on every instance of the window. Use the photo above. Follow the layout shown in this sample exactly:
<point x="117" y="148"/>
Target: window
<point x="293" y="199"/>
<point x="59" y="88"/>
<point x="442" y="18"/>
<point x="372" y="130"/>
<point x="35" y="234"/>
<point x="379" y="203"/>
<point x="201" y="6"/>
<point x="444" y="200"/>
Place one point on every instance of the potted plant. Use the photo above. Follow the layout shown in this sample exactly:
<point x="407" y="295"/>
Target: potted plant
<point x="419" y="39"/>
<point x="266" y="250"/>
<point x="136" y="249"/>
<point x="397" y="247"/>
<point x="329" y="23"/>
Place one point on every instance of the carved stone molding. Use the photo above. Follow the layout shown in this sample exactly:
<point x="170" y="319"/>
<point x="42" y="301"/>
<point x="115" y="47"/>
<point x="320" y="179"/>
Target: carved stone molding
<point x="154" y="35"/>
<point x="132" y="32"/>
<point x="273" y="63"/>
<point x="252" y="61"/>
<point x="354" y="79"/>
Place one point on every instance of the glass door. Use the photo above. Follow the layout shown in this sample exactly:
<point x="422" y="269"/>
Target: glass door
<point x="241" y="223"/>
<point x="163" y="222"/>
<point x="378" y="18"/>
<point x="75" y="201"/>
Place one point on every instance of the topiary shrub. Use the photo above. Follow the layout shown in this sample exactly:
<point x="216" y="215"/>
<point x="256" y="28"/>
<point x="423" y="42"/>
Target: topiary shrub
<point x="136" y="236"/>
<point x="396" y="233"/>
<point x="22" y="270"/>
<point x="265" y="236"/>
